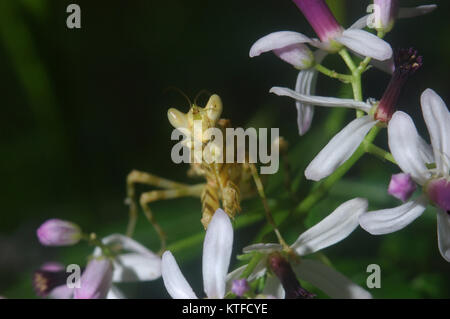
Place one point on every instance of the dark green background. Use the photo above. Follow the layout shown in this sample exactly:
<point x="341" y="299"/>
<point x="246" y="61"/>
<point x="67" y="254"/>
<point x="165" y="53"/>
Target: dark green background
<point x="81" y="108"/>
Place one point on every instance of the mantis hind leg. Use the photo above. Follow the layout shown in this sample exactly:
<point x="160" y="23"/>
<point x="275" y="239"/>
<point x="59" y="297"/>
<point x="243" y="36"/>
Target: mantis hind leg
<point x="153" y="196"/>
<point x="260" y="189"/>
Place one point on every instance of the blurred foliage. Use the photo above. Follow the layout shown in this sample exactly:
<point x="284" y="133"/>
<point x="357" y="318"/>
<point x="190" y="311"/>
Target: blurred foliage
<point x="82" y="108"/>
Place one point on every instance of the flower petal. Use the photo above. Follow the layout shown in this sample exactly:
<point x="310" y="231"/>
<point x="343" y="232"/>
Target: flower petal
<point x="217" y="248"/>
<point x="305" y="112"/>
<point x="61" y="292"/>
<point x="273" y="288"/>
<point x="437" y="118"/>
<point x="406" y="146"/>
<point x="298" y="55"/>
<point x="176" y="284"/>
<point x="443" y="225"/>
<point x="306" y="84"/>
<point x="387" y="221"/>
<point x="115" y="293"/>
<point x="126" y="243"/>
<point x="361" y="23"/>
<point x="366" y="44"/>
<point x="96" y="280"/>
<point x="339" y="149"/>
<point x="332" y="229"/>
<point x="321" y="100"/>
<point x="136" y="267"/>
<point x="277" y="40"/>
<point x="262" y="248"/>
<point x="416" y="11"/>
<point x="330" y="281"/>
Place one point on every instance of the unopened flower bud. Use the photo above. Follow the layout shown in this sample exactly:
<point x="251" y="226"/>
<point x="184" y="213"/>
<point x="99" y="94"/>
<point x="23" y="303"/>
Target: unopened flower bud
<point x="240" y="287"/>
<point x="402" y="186"/>
<point x="56" y="232"/>
<point x="386" y="12"/>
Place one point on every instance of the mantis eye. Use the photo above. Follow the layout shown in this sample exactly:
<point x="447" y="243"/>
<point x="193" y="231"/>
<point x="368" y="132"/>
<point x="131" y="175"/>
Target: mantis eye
<point x="214" y="108"/>
<point x="177" y="119"/>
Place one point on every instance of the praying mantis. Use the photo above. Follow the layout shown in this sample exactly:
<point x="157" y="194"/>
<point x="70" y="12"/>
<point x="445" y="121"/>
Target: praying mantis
<point x="226" y="184"/>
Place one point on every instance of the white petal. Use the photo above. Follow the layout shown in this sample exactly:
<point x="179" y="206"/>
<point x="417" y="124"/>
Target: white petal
<point x="426" y="151"/>
<point x="361" y="23"/>
<point x="339" y="149"/>
<point x="216" y="254"/>
<point x="321" y="100"/>
<point x="406" y="145"/>
<point x="136" y="267"/>
<point x="417" y="11"/>
<point x="126" y="243"/>
<point x="387" y="221"/>
<point x="437" y="118"/>
<point x="273" y="288"/>
<point x="305" y="112"/>
<point x="61" y="292"/>
<point x="306" y="84"/>
<point x="387" y="66"/>
<point x="115" y="293"/>
<point x="332" y="229"/>
<point x="330" y="281"/>
<point x="176" y="284"/>
<point x="298" y="55"/>
<point x="277" y="40"/>
<point x="262" y="248"/>
<point x="366" y="44"/>
<point x="443" y="225"/>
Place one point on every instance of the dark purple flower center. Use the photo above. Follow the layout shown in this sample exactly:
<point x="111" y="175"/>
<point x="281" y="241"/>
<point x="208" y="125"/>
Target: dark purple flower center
<point x="438" y="191"/>
<point x="44" y="281"/>
<point x="283" y="270"/>
<point x="407" y="62"/>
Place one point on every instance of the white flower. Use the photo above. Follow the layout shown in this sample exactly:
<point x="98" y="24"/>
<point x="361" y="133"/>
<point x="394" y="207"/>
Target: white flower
<point x="344" y="144"/>
<point x="134" y="262"/>
<point x="217" y="248"/>
<point x="332" y="229"/>
<point x="130" y="262"/>
<point x="290" y="46"/>
<point x="414" y="157"/>
<point x="387" y="11"/>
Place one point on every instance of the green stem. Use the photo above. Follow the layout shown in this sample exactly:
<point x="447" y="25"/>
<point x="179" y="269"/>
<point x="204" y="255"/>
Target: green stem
<point x="333" y="74"/>
<point x="251" y="265"/>
<point x="347" y="59"/>
<point x="379" y="152"/>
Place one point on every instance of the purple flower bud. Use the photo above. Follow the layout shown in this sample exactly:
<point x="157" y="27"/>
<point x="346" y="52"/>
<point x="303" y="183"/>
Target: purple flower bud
<point x="386" y="12"/>
<point x="96" y="280"/>
<point x="401" y="186"/>
<point x="407" y="62"/>
<point x="240" y="287"/>
<point x="320" y="18"/>
<point x="56" y="232"/>
<point x="283" y="270"/>
<point x="438" y="191"/>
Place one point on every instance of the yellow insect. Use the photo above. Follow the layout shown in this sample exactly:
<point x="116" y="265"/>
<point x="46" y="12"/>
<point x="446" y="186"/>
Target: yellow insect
<point x="226" y="183"/>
